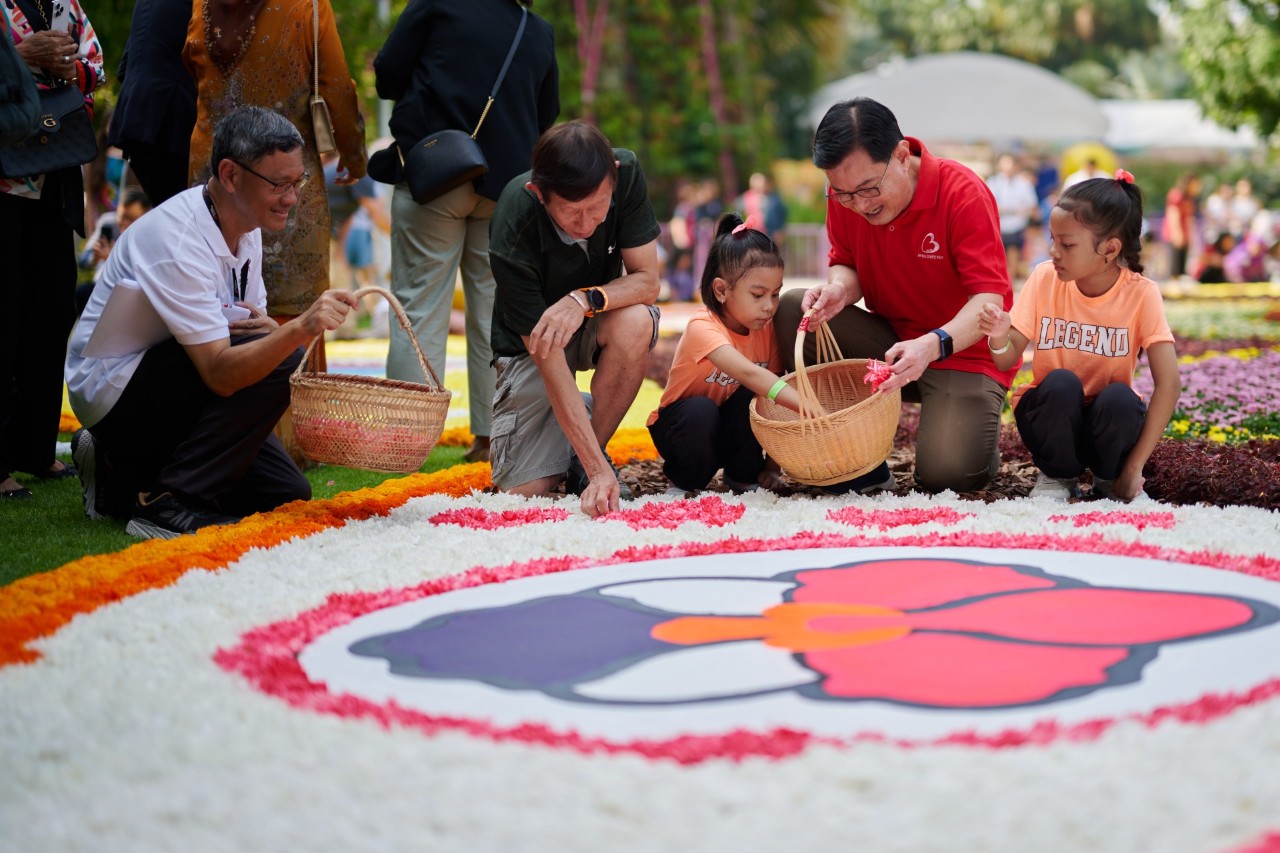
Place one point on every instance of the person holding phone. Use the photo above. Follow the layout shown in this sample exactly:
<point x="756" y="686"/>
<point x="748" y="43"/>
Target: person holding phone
<point x="133" y="203"/>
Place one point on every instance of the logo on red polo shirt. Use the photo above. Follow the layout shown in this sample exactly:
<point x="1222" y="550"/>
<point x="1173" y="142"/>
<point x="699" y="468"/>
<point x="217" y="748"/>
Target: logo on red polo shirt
<point x="929" y="247"/>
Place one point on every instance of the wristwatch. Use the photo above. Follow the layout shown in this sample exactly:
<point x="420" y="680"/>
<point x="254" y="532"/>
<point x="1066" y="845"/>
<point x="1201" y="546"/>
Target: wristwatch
<point x="597" y="300"/>
<point x="948" y="345"/>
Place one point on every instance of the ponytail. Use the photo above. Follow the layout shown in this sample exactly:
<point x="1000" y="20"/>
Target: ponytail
<point x="738" y="246"/>
<point x="1110" y="207"/>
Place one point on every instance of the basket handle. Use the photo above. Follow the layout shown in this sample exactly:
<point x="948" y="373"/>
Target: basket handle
<point x="427" y="372"/>
<point x="827" y="350"/>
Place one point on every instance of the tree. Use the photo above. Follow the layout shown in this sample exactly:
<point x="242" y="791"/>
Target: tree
<point x="697" y="89"/>
<point x="1055" y="34"/>
<point x="1231" y="50"/>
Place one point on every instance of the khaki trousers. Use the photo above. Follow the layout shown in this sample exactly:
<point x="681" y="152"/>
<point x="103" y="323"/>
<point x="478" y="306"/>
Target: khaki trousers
<point x="429" y="244"/>
<point x="958" y="444"/>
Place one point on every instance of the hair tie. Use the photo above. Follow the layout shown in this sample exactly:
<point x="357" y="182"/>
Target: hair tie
<point x="751" y="223"/>
<point x="1122" y="175"/>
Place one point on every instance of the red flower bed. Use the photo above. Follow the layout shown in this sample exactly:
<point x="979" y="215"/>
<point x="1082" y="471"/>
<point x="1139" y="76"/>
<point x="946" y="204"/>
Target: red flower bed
<point x="1189" y="472"/>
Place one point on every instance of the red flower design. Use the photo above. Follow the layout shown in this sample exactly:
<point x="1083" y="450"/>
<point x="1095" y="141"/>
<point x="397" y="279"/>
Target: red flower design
<point x="710" y="510"/>
<point x="1140" y="520"/>
<point x="944" y="633"/>
<point x="481" y="519"/>
<point x="886" y="518"/>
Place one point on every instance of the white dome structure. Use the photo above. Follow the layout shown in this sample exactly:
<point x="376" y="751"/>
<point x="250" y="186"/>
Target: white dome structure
<point x="967" y="97"/>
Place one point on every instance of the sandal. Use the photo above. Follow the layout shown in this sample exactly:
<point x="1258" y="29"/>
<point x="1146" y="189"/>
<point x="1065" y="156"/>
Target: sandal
<point x="62" y="473"/>
<point x="18" y="494"/>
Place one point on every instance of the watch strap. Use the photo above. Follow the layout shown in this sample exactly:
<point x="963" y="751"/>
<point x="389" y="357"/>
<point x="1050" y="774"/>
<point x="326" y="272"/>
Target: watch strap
<point x="947" y="345"/>
<point x="597" y="299"/>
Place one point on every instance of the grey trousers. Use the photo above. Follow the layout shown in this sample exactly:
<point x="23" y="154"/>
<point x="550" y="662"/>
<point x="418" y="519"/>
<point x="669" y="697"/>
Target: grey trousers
<point x="958" y="444"/>
<point x="429" y="243"/>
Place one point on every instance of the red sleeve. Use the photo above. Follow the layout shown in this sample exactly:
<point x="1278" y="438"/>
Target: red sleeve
<point x="975" y="244"/>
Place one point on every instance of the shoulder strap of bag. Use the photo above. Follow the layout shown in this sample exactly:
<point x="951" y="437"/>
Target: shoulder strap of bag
<point x="515" y="43"/>
<point x="36" y="16"/>
<point x="315" y="47"/>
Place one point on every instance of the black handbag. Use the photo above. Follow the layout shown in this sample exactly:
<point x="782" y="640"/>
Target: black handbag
<point x="63" y="139"/>
<point x="444" y="160"/>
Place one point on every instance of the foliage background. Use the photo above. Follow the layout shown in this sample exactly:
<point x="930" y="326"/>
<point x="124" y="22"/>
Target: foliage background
<point x="716" y="88"/>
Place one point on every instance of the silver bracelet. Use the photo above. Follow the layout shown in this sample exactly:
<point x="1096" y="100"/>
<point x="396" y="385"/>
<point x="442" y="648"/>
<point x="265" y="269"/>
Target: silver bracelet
<point x="1008" y="343"/>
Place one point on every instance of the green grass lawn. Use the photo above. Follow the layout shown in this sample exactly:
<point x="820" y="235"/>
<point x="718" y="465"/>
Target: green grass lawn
<point x="50" y="529"/>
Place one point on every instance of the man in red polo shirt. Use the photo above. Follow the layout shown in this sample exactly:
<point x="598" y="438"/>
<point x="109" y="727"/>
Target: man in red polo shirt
<point x="916" y="239"/>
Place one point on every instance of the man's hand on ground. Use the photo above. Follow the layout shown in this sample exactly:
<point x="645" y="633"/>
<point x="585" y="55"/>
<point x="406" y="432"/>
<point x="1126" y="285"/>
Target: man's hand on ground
<point x="601" y="495"/>
<point x="556" y="326"/>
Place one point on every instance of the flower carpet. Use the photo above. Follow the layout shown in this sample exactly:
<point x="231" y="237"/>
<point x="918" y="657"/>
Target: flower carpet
<point x="428" y="666"/>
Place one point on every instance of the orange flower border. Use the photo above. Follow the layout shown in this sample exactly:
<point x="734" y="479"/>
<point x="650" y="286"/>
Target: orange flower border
<point x="39" y="605"/>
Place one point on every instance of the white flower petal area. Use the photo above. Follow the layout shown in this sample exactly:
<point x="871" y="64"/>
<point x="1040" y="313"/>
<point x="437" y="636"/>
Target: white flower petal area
<point x="128" y="735"/>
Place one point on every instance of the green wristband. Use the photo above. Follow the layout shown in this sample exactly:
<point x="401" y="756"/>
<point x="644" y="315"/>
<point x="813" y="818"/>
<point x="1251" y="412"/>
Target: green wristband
<point x="777" y="389"/>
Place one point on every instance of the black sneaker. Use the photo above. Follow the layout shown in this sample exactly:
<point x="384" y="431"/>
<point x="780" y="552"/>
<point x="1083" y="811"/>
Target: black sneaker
<point x="165" y="517"/>
<point x="576" y="480"/>
<point x="878" y="479"/>
<point x="82" y="451"/>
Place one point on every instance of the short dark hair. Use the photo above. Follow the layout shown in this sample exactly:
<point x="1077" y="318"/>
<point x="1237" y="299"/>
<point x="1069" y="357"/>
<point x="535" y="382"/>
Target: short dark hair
<point x="732" y="255"/>
<point x="248" y="134"/>
<point x="1109" y="207"/>
<point x="856" y="124"/>
<point x="572" y="160"/>
<point x="134" y="195"/>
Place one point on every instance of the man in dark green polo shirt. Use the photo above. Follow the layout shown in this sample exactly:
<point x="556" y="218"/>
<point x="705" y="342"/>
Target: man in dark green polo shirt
<point x="573" y="246"/>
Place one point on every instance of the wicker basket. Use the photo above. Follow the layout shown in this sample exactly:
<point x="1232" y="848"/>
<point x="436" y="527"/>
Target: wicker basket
<point x="368" y="422"/>
<point x="853" y="437"/>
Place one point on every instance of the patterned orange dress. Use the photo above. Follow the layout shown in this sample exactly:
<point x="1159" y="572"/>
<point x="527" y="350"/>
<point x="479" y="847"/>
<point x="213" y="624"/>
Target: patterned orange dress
<point x="260" y="54"/>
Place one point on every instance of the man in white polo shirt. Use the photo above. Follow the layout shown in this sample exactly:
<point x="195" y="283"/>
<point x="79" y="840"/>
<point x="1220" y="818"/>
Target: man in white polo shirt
<point x="175" y="369"/>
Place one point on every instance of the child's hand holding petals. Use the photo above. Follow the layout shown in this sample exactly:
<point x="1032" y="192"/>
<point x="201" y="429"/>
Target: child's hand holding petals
<point x="993" y="321"/>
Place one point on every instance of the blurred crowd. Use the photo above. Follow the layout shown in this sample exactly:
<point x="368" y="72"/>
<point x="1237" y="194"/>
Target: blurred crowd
<point x="1211" y="233"/>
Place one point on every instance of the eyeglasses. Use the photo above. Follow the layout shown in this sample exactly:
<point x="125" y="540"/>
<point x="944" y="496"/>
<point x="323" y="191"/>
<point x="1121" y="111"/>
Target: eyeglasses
<point x="278" y="187"/>
<point x="846" y="196"/>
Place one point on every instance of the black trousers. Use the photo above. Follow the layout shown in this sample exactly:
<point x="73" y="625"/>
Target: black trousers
<point x="160" y="173"/>
<point x="1066" y="435"/>
<point x="37" y="287"/>
<point x="169" y="433"/>
<point x="697" y="438"/>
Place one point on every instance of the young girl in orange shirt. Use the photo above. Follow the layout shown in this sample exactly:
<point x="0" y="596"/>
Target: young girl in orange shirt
<point x="726" y="356"/>
<point x="1088" y="312"/>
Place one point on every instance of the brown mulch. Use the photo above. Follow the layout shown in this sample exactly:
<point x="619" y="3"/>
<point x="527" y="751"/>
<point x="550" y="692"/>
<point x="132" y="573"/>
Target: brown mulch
<point x="1016" y="476"/>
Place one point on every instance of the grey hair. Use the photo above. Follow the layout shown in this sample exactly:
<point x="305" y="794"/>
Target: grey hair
<point x="248" y="134"/>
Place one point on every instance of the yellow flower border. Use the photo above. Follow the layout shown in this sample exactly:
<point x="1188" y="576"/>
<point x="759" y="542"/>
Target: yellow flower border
<point x="39" y="605"/>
